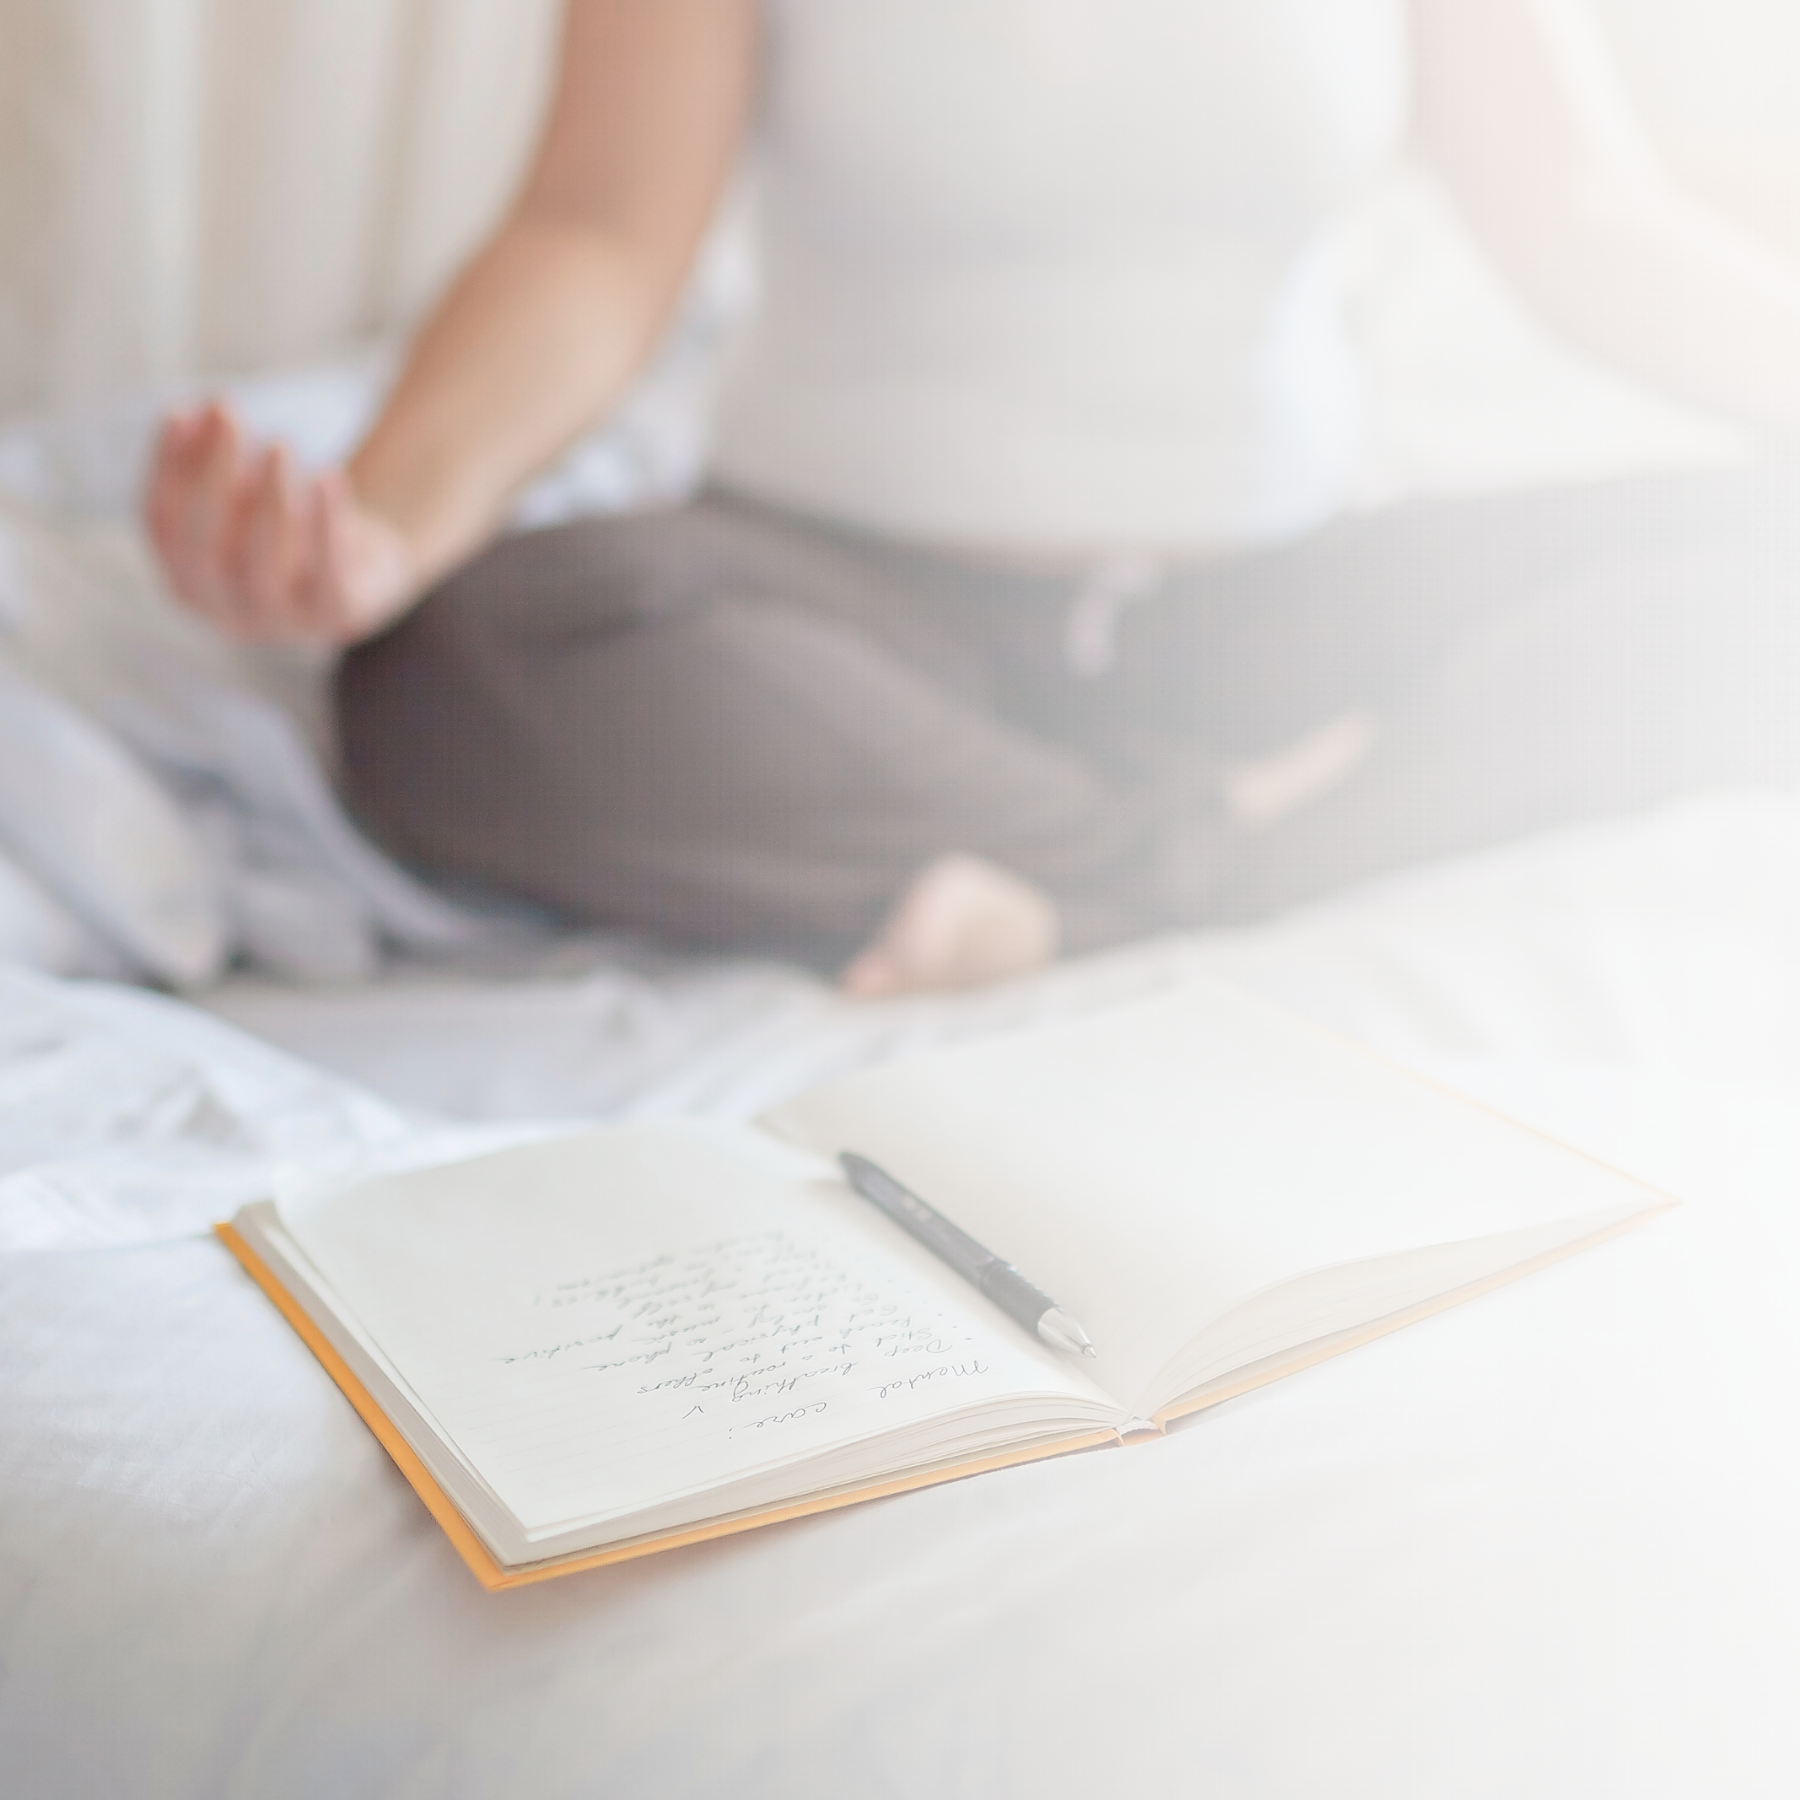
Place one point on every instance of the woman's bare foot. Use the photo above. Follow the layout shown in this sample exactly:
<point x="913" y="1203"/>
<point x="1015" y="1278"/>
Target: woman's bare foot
<point x="960" y="923"/>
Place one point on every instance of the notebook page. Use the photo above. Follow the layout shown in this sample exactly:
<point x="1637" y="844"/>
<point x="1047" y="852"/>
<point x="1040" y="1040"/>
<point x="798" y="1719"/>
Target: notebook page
<point x="1156" y="1166"/>
<point x="607" y="1322"/>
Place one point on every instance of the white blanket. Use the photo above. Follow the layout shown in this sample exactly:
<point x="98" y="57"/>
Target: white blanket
<point x="1542" y="1544"/>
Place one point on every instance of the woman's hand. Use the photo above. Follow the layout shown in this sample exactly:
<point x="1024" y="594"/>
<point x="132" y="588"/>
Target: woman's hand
<point x="529" y="347"/>
<point x="263" y="551"/>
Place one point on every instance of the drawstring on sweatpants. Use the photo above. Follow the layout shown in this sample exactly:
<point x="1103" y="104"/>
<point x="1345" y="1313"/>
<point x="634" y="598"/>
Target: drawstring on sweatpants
<point x="1091" y="631"/>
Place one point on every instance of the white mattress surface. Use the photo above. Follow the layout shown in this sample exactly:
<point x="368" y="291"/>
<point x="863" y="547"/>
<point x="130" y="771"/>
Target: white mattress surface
<point x="1542" y="1544"/>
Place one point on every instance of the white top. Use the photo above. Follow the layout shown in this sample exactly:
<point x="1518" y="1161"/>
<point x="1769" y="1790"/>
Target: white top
<point x="1058" y="273"/>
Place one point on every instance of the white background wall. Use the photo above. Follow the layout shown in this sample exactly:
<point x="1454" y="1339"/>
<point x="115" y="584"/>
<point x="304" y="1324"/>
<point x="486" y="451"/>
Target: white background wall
<point x="221" y="184"/>
<point x="225" y="183"/>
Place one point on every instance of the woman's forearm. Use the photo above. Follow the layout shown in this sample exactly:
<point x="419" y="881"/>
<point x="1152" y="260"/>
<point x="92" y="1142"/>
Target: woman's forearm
<point x="534" y="341"/>
<point x="551" y="318"/>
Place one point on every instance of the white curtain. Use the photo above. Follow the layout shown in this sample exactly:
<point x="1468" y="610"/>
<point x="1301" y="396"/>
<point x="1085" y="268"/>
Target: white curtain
<point x="221" y="184"/>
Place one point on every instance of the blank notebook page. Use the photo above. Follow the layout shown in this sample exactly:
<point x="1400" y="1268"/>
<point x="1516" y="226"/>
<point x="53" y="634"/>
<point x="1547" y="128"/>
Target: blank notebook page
<point x="1159" y="1165"/>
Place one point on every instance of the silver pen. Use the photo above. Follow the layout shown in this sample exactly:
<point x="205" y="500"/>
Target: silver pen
<point x="999" y="1280"/>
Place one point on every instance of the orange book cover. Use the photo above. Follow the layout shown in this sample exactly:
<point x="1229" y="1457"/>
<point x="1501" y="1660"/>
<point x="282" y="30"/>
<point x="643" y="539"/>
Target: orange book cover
<point x="493" y="1575"/>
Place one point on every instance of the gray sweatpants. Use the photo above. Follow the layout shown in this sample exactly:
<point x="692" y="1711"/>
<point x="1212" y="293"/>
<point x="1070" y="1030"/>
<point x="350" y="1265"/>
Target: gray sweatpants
<point x="735" y="728"/>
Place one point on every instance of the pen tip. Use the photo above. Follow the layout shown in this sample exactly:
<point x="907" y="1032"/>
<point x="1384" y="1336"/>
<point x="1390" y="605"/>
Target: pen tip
<point x="1089" y="1350"/>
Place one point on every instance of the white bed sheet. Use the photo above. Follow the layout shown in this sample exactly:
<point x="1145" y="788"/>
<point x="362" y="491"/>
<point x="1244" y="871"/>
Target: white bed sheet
<point x="1542" y="1544"/>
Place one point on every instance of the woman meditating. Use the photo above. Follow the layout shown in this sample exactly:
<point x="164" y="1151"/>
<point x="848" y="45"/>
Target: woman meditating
<point x="1021" y="611"/>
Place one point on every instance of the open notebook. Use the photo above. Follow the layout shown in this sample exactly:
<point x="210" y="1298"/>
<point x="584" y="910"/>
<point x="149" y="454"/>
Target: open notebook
<point x="642" y="1335"/>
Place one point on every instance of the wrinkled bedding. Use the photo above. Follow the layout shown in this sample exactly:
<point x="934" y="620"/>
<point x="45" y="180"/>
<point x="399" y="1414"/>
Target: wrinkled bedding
<point x="1541" y="1544"/>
